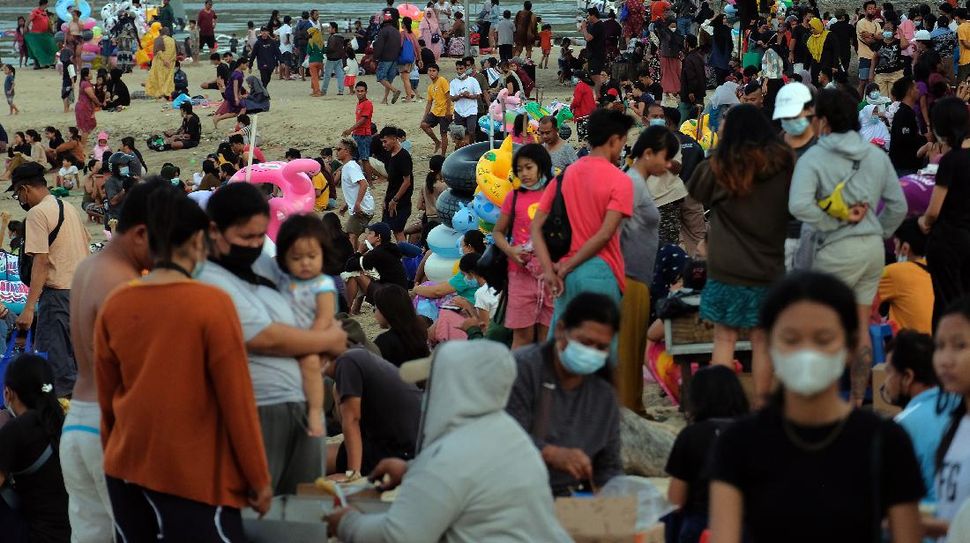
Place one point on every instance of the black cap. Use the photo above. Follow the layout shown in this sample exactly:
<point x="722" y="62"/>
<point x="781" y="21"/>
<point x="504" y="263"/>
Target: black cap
<point x="25" y="173"/>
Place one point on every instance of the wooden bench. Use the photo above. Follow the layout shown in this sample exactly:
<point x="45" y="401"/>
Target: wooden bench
<point x="690" y="336"/>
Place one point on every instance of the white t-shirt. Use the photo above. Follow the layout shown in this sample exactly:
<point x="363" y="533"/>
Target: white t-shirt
<point x="466" y="107"/>
<point x="285" y="34"/>
<point x="350" y="177"/>
<point x="953" y="478"/>
<point x="486" y="298"/>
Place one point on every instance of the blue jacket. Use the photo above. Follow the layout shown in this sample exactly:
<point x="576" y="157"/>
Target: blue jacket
<point x="925" y="427"/>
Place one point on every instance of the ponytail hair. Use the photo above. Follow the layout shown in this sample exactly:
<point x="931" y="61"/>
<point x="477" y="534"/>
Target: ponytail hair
<point x="172" y="219"/>
<point x="31" y="378"/>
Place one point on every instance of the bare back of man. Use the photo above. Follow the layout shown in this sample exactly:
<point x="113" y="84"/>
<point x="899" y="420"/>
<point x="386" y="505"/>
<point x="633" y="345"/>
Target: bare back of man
<point x="96" y="277"/>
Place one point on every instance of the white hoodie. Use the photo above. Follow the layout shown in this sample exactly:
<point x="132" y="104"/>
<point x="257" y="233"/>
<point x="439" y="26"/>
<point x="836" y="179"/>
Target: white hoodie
<point x="477" y="475"/>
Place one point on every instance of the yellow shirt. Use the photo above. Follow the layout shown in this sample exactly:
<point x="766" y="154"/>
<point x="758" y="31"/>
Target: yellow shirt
<point x="874" y="28"/>
<point x="320" y="183"/>
<point x="963" y="34"/>
<point x="908" y="290"/>
<point x="438" y="96"/>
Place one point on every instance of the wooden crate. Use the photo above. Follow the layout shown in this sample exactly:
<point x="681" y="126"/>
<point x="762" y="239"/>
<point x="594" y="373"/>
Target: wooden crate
<point x="692" y="330"/>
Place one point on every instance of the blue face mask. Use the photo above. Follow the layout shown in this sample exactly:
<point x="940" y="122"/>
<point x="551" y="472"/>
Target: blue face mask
<point x="197" y="269"/>
<point x="887" y="34"/>
<point x="470" y="282"/>
<point x="658" y="122"/>
<point x="541" y="184"/>
<point x="795" y="127"/>
<point x="580" y="359"/>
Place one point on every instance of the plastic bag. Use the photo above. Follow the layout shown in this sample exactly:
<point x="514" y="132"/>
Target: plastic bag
<point x="651" y="505"/>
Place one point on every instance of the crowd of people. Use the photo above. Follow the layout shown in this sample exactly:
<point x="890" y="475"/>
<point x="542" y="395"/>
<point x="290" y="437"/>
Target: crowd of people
<point x="812" y="205"/>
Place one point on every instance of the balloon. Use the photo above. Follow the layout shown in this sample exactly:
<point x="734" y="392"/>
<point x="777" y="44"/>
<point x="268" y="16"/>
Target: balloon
<point x="442" y="241"/>
<point x="464" y="219"/>
<point x="87" y="56"/>
<point x="97" y="30"/>
<point x="704" y="136"/>
<point x="484" y="209"/>
<point x="90" y="47"/>
<point x="63" y="27"/>
<point x="87" y="35"/>
<point x="89" y="24"/>
<point x="493" y="172"/>
<point x="293" y="179"/>
<point x="409" y="10"/>
<point x="63" y="8"/>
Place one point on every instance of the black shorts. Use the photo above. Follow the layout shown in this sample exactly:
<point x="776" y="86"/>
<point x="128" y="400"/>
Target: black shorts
<point x="442" y="122"/>
<point x="286" y="58"/>
<point x="187" y="144"/>
<point x="400" y="220"/>
<point x="470" y="123"/>
<point x="207" y="40"/>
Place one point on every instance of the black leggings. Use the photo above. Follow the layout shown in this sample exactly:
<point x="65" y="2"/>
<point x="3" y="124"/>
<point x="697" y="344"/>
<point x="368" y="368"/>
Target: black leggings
<point x="948" y="260"/>
<point x="266" y="75"/>
<point x="143" y="516"/>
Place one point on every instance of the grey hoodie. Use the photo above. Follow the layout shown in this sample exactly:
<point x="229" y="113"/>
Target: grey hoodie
<point x="477" y="475"/>
<point x="830" y="162"/>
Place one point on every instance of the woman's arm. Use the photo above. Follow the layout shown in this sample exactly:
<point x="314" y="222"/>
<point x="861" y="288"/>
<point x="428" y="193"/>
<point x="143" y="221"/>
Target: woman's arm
<point x="499" y="237"/>
<point x="89" y="91"/>
<point x="933" y="210"/>
<point x="283" y="340"/>
<point x="727" y="506"/>
<point x="541" y="251"/>
<point x="438" y="290"/>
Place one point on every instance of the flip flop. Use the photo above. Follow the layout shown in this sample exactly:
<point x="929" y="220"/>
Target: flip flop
<point x="397" y="94"/>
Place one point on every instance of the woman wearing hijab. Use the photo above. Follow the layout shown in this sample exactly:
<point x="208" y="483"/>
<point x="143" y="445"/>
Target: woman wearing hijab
<point x="429" y="28"/>
<point x="822" y="48"/>
<point x="118" y="95"/>
<point x="257" y="100"/>
<point x="161" y="76"/>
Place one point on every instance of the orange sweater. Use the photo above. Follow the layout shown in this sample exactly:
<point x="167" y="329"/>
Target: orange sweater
<point x="178" y="412"/>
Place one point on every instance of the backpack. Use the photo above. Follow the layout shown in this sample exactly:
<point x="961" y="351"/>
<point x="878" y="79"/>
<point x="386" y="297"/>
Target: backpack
<point x="407" y="51"/>
<point x="556" y="230"/>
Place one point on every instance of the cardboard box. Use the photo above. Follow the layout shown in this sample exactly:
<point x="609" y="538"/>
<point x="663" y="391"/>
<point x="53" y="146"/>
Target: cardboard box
<point x="598" y="520"/>
<point x="878" y="378"/>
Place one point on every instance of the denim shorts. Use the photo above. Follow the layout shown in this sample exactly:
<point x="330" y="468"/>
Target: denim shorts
<point x="386" y="70"/>
<point x="363" y="147"/>
<point x="865" y="67"/>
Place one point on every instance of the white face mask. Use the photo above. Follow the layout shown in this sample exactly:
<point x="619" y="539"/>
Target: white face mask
<point x="808" y="372"/>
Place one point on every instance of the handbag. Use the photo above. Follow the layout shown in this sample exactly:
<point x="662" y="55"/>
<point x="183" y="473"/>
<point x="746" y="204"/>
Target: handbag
<point x="494" y="263"/>
<point x="556" y="231"/>
<point x="26" y="261"/>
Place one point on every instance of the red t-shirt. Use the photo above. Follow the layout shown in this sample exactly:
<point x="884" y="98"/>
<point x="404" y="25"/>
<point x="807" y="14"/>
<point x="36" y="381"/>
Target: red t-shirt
<point x="39" y="21"/>
<point x="587" y="203"/>
<point x="207" y="22"/>
<point x="365" y="110"/>
<point x="525" y="210"/>
<point x="657" y="9"/>
<point x="257" y="154"/>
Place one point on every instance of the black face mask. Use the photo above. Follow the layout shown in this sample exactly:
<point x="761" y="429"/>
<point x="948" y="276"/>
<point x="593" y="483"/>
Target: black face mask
<point x="239" y="257"/>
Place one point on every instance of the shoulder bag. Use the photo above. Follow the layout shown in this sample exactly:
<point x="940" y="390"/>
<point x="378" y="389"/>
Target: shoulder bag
<point x="556" y="231"/>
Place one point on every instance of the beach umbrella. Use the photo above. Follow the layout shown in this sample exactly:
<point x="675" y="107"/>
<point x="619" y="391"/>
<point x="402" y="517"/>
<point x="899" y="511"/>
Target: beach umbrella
<point x="409" y="10"/>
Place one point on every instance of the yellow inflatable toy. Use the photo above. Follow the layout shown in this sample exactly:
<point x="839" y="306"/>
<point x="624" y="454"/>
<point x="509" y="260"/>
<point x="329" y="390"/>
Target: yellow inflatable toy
<point x="143" y="57"/>
<point x="703" y="133"/>
<point x="493" y="173"/>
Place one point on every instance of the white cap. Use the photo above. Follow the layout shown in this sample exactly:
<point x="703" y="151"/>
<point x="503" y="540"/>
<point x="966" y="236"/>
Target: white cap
<point x="922" y="35"/>
<point x="791" y="100"/>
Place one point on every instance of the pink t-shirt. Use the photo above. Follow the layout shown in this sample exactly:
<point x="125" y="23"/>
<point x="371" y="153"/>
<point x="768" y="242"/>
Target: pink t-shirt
<point x="591" y="187"/>
<point x="526" y="204"/>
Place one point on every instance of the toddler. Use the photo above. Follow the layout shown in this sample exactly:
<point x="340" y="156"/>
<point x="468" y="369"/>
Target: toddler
<point x="545" y="43"/>
<point x="8" y="87"/>
<point x="68" y="174"/>
<point x="102" y="147"/>
<point x="312" y="295"/>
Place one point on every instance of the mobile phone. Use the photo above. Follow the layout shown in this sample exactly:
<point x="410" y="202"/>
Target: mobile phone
<point x="370" y="246"/>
